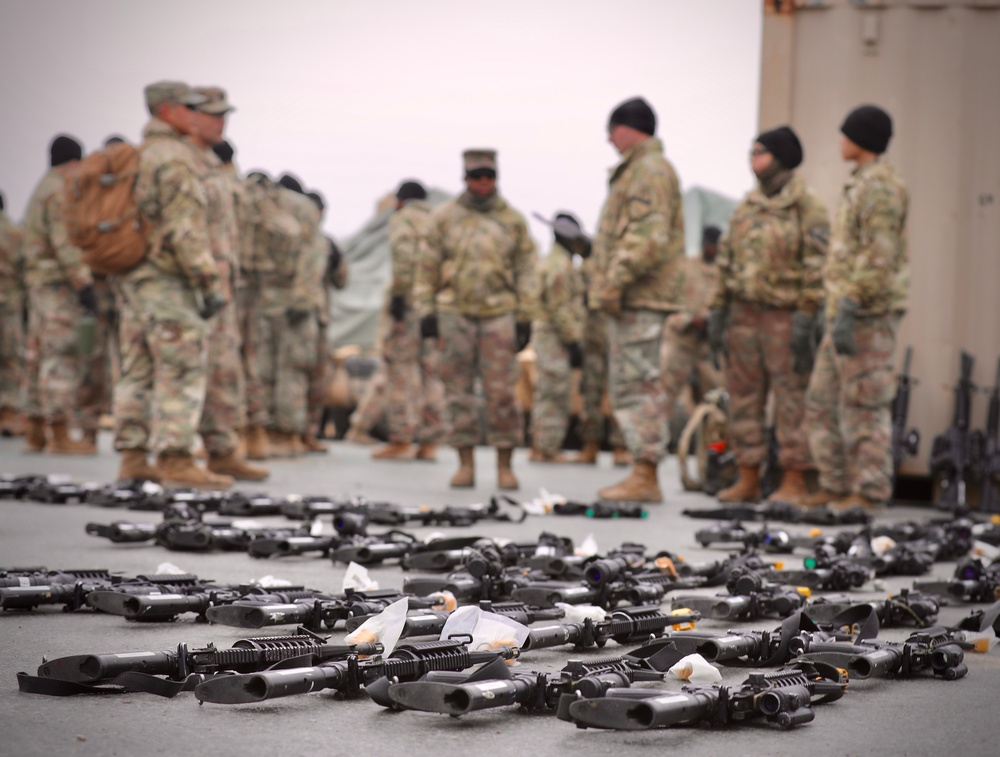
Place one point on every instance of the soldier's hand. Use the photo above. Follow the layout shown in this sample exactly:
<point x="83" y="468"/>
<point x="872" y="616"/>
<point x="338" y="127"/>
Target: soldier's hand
<point x="397" y="307"/>
<point x="717" y="334"/>
<point x="842" y="330"/>
<point x="803" y="349"/>
<point x="575" y="355"/>
<point x="296" y="316"/>
<point x="211" y="304"/>
<point x="609" y="301"/>
<point x="429" y="327"/>
<point x="522" y="332"/>
<point x="87" y="298"/>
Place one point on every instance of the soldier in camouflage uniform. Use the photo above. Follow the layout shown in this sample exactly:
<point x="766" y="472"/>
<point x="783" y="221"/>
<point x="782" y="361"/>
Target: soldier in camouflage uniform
<point x="638" y="282"/>
<point x="166" y="303"/>
<point x="60" y="296"/>
<point x="225" y="398"/>
<point x="11" y="325"/>
<point x="866" y="278"/>
<point x="475" y="282"/>
<point x="557" y="336"/>
<point x="296" y="257"/>
<point x="770" y="289"/>
<point x="594" y="386"/>
<point x="415" y="405"/>
<point x="249" y="193"/>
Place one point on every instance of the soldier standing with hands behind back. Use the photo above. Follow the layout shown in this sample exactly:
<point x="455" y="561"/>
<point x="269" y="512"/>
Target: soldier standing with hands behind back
<point x="475" y="289"/>
<point x="770" y="289"/>
<point x="867" y="279"/>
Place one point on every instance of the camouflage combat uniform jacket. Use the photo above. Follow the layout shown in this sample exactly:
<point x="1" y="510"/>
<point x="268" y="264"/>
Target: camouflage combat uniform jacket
<point x="49" y="257"/>
<point x="773" y="252"/>
<point x="170" y="195"/>
<point x="639" y="246"/>
<point x="868" y="261"/>
<point x="11" y="266"/>
<point x="407" y="227"/>
<point x="477" y="261"/>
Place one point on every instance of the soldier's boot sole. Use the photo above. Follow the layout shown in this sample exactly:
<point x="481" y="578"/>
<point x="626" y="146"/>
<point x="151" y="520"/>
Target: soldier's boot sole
<point x="746" y="488"/>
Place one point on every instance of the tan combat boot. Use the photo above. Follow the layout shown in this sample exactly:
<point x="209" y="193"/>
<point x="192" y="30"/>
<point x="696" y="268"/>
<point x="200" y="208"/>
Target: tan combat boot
<point x="281" y="444"/>
<point x="258" y="446"/>
<point x="537" y="456"/>
<point x="465" y="476"/>
<point x="394" y="451"/>
<point x="621" y="457"/>
<point x="134" y="465"/>
<point x="746" y="488"/>
<point x="310" y="445"/>
<point x="588" y="453"/>
<point x="505" y="476"/>
<point x="11" y="423"/>
<point x="179" y="470"/>
<point x="641" y="485"/>
<point x="819" y="498"/>
<point x="427" y="452"/>
<point x="856" y="502"/>
<point x="792" y="490"/>
<point x="35" y="438"/>
<point x="236" y="466"/>
<point x="60" y="442"/>
<point x="90" y="437"/>
<point x="358" y="436"/>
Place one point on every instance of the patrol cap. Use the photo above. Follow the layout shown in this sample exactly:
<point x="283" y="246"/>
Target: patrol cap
<point x="215" y="103"/>
<point x="479" y="158"/>
<point x="163" y="92"/>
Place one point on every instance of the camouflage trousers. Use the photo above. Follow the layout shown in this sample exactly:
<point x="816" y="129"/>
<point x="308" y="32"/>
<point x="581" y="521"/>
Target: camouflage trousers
<point x="414" y="395"/>
<point x="687" y="356"/>
<point x="12" y="348"/>
<point x="371" y="409"/>
<point x="248" y="313"/>
<point x="319" y="380"/>
<point x="287" y="357"/>
<point x="594" y="381"/>
<point x="635" y="380"/>
<point x="483" y="348"/>
<point x="849" y="411"/>
<point x="760" y="360"/>
<point x="97" y="382"/>
<point x="225" y="397"/>
<point x="160" y="393"/>
<point x="54" y="316"/>
<point x="553" y="385"/>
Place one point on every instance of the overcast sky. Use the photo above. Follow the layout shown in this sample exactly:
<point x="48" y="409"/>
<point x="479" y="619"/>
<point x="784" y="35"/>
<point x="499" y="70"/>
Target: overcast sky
<point x="354" y="96"/>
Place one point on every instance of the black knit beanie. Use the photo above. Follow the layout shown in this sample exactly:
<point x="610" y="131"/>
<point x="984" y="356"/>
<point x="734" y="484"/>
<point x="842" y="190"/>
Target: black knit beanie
<point x="224" y="151"/>
<point x="290" y="182"/>
<point x="783" y="144"/>
<point x="635" y="113"/>
<point x="63" y="150"/>
<point x="411" y="190"/>
<point x="869" y="127"/>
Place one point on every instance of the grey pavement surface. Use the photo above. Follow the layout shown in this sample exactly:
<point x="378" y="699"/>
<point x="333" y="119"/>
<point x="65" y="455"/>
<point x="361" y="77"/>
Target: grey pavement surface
<point x="921" y="716"/>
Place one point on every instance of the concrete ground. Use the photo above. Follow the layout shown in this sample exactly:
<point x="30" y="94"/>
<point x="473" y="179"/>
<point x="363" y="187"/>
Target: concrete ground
<point x="907" y="717"/>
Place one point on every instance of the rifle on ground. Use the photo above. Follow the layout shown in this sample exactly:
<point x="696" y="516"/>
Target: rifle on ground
<point x="989" y="499"/>
<point x="625" y="626"/>
<point x="952" y="453"/>
<point x="903" y="442"/>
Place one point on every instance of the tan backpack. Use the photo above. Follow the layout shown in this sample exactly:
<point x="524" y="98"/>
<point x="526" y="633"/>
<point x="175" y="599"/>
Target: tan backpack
<point x="102" y="217"/>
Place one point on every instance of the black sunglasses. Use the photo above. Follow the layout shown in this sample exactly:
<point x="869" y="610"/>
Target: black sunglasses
<point x="481" y="173"/>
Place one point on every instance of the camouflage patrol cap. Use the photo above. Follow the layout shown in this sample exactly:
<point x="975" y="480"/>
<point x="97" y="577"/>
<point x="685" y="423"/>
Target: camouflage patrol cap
<point x="215" y="103"/>
<point x="162" y="92"/>
<point x="479" y="158"/>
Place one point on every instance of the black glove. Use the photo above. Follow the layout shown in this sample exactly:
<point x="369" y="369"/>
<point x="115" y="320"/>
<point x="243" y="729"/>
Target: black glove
<point x="211" y="304"/>
<point x="333" y="261"/>
<point x="87" y="298"/>
<point x="429" y="327"/>
<point x="397" y="307"/>
<point x="523" y="334"/>
<point x="575" y="355"/>
<point x="842" y="330"/>
<point x="803" y="349"/>
<point x="296" y="316"/>
<point x="716" y="334"/>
